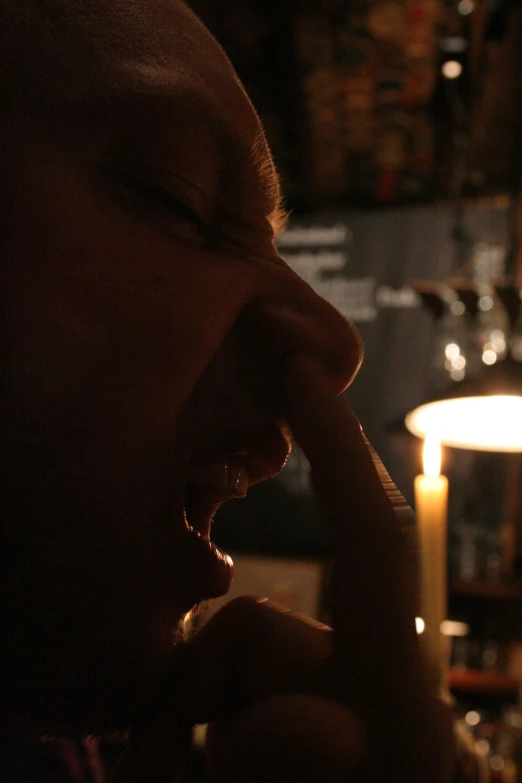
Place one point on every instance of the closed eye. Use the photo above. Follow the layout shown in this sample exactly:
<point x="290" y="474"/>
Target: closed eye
<point x="149" y="200"/>
<point x="159" y="197"/>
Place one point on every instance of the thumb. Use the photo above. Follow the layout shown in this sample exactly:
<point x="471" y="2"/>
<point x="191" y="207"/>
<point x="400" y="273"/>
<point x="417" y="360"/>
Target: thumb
<point x="247" y="651"/>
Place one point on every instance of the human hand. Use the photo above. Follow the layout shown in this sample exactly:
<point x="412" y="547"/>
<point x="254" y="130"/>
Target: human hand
<point x="376" y="667"/>
<point x="372" y="706"/>
<point x="290" y="700"/>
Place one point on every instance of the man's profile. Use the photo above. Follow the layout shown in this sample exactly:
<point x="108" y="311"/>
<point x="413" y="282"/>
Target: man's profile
<point x="156" y="352"/>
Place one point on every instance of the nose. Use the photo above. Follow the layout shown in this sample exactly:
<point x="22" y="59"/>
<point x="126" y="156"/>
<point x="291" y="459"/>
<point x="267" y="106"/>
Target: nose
<point x="290" y="317"/>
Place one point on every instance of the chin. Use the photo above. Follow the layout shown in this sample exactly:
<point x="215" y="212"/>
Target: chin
<point x="138" y="687"/>
<point x="76" y="691"/>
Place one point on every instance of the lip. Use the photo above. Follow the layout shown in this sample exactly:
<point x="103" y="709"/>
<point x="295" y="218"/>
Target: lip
<point x="264" y="455"/>
<point x="209" y="571"/>
<point x="201" y="503"/>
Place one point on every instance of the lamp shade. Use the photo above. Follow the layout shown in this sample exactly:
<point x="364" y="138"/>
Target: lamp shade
<point x="482" y="423"/>
<point x="484" y="413"/>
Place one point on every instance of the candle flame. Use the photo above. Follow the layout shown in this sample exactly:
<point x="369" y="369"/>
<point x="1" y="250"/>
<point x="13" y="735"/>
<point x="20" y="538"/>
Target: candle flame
<point x="432" y="456"/>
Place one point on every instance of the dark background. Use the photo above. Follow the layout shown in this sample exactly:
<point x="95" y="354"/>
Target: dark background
<point x="418" y="170"/>
<point x="354" y="103"/>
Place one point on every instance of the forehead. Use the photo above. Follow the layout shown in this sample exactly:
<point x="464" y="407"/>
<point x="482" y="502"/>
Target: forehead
<point x="209" y="116"/>
<point x="184" y="89"/>
<point x="189" y="69"/>
<point x="158" y="76"/>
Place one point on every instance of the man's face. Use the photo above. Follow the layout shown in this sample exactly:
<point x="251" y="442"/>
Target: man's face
<point x="145" y="315"/>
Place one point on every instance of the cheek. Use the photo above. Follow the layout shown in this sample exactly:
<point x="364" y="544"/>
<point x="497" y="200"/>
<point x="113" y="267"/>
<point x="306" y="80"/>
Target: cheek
<point x="135" y="315"/>
<point x="96" y="295"/>
<point x="107" y="329"/>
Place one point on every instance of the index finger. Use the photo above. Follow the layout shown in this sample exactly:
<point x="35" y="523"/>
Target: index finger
<point x="372" y="601"/>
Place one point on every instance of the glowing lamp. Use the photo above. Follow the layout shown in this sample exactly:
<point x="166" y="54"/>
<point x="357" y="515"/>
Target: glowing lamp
<point x="482" y="423"/>
<point x="483" y="413"/>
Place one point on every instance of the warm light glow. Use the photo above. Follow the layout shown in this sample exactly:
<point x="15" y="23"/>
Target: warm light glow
<point x="472" y="718"/>
<point x="457" y="307"/>
<point x="465" y="7"/>
<point x="482" y="423"/>
<point x="199" y="734"/>
<point x="454" y="628"/>
<point x="485" y="302"/>
<point x="457" y="374"/>
<point x="482" y="746"/>
<point x="447" y="627"/>
<point x="431" y="455"/>
<point x="451" y="69"/>
<point x="452" y="350"/>
<point x="489" y="356"/>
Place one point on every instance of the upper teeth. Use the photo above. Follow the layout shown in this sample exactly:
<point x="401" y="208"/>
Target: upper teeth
<point x="230" y="475"/>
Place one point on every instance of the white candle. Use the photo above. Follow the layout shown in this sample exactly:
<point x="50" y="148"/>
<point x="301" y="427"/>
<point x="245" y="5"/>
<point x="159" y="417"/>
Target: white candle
<point x="431" y="501"/>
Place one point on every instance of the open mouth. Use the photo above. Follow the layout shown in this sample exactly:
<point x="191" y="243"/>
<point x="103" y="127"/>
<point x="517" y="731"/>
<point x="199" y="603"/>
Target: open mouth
<point x="222" y="479"/>
<point x="209" y="488"/>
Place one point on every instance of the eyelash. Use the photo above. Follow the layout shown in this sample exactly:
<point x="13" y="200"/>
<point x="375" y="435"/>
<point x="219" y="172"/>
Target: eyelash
<point x="163" y="198"/>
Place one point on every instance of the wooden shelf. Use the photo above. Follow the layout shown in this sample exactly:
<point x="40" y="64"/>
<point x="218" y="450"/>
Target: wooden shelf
<point x="499" y="590"/>
<point x="487" y="683"/>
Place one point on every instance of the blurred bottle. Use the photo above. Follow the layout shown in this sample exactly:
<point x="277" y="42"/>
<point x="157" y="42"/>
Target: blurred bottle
<point x="493" y="556"/>
<point x="491" y="653"/>
<point x="471" y="540"/>
<point x="501" y="762"/>
<point x="516" y="337"/>
<point x="491" y="326"/>
<point x="450" y="344"/>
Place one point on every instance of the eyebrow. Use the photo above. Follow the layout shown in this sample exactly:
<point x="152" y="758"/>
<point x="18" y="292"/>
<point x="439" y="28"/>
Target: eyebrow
<point x="279" y="220"/>
<point x="157" y="81"/>
<point x="269" y="181"/>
